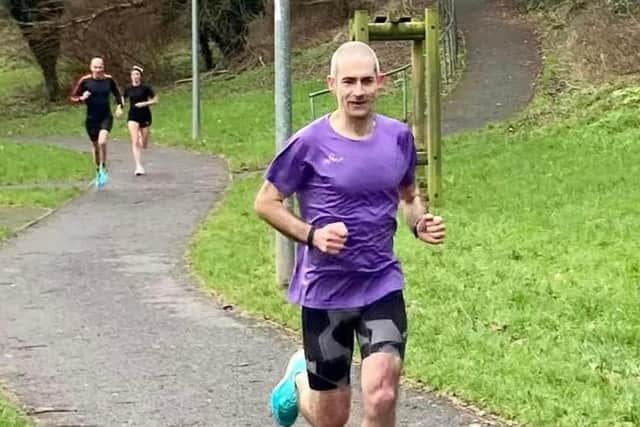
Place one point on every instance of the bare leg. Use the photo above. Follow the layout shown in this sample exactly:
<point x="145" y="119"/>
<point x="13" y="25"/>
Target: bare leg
<point x="145" y="133"/>
<point x="380" y="384"/>
<point x="102" y="144"/>
<point x="323" y="408"/>
<point x="96" y="153"/>
<point x="136" y="143"/>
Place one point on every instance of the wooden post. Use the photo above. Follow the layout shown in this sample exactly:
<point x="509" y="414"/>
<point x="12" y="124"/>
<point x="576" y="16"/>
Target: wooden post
<point x="419" y="105"/>
<point x="434" y="153"/>
<point x="360" y="26"/>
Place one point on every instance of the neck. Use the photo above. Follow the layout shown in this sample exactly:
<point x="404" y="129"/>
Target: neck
<point x="352" y="127"/>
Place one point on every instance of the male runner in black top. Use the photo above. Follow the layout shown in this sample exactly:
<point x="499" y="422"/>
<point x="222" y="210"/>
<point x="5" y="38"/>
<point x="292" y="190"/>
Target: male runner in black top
<point x="94" y="90"/>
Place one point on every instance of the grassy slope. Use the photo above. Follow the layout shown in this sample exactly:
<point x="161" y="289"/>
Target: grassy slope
<point x="32" y="167"/>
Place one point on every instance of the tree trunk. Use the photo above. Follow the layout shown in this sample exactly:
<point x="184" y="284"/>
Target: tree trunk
<point x="45" y="46"/>
<point x="37" y="20"/>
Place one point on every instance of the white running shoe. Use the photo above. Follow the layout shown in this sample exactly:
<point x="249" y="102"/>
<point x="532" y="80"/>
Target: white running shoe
<point x="139" y="171"/>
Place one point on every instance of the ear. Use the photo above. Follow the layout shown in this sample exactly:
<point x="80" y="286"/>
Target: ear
<point x="331" y="83"/>
<point x="380" y="79"/>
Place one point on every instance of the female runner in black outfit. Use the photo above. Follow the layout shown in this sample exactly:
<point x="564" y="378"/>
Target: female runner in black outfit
<point x="140" y="96"/>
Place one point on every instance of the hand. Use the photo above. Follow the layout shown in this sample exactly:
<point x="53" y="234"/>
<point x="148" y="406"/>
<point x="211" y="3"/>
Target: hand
<point x="331" y="238"/>
<point x="118" y="111"/>
<point x="431" y="229"/>
<point x="139" y="104"/>
<point x="85" y="95"/>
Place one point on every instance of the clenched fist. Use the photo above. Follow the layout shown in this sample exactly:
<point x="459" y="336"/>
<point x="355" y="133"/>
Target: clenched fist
<point x="331" y="238"/>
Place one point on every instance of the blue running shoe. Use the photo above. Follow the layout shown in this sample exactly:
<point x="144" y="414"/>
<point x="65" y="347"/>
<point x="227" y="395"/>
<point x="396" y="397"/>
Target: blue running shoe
<point x="104" y="177"/>
<point x="98" y="178"/>
<point x="284" y="398"/>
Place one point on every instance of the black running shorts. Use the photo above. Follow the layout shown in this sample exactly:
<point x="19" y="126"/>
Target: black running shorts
<point x="142" y="116"/>
<point x="328" y="337"/>
<point x="95" y="126"/>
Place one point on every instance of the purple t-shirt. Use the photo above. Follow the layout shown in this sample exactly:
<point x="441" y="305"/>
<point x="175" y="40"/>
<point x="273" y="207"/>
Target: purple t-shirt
<point x="356" y="182"/>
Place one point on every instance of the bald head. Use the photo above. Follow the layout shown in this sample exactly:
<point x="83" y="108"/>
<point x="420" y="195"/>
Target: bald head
<point x="96" y="62"/>
<point x="97" y="67"/>
<point x="350" y="50"/>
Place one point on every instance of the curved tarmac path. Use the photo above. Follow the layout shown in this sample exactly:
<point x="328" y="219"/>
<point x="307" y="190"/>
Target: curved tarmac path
<point x="101" y="323"/>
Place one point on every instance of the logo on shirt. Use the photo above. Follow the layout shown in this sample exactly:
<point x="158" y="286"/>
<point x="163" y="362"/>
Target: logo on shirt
<point x="333" y="158"/>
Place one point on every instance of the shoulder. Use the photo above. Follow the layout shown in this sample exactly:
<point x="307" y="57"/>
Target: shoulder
<point x="311" y="133"/>
<point x="84" y="78"/>
<point x="302" y="141"/>
<point x="393" y="126"/>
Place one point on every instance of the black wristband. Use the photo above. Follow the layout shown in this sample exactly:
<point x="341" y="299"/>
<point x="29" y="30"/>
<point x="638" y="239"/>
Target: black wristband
<point x="414" y="229"/>
<point x="312" y="231"/>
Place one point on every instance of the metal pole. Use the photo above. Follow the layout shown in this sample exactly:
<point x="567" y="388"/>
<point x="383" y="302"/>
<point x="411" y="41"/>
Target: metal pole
<point x="195" y="90"/>
<point x="285" y="254"/>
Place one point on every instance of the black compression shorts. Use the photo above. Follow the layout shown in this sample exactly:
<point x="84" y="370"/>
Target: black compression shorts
<point x="328" y="337"/>
<point x="95" y="126"/>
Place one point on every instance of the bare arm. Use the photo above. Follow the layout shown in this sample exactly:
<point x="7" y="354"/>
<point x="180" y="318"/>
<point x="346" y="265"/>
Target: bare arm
<point x="269" y="205"/>
<point x="425" y="226"/>
<point x="411" y="204"/>
<point x="115" y="90"/>
<point x="150" y="101"/>
<point x="77" y="93"/>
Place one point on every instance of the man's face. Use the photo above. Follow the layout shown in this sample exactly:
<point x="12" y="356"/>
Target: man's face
<point x="356" y="85"/>
<point x="97" y="67"/>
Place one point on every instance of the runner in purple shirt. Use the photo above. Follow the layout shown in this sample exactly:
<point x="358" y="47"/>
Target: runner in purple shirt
<point x="350" y="171"/>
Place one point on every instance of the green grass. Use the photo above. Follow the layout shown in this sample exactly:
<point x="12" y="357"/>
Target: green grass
<point x="10" y="417"/>
<point x="31" y="167"/>
<point x="37" y="197"/>
<point x="26" y="164"/>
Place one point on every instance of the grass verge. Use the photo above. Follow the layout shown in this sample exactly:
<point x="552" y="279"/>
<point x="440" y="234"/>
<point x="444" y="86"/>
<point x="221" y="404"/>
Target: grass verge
<point x="10" y="417"/>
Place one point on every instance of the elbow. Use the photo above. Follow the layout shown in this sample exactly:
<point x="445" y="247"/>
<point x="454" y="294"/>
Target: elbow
<point x="259" y="207"/>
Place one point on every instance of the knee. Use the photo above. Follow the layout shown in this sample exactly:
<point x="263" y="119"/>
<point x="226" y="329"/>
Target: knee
<point x="380" y="401"/>
<point x="339" y="417"/>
